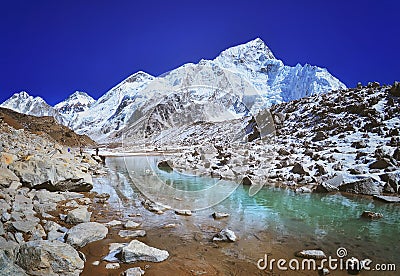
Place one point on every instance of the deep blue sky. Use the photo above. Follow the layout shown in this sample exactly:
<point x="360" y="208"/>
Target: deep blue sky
<point x="52" y="48"/>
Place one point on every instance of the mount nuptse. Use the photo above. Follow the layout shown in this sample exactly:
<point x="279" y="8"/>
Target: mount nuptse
<point x="140" y="95"/>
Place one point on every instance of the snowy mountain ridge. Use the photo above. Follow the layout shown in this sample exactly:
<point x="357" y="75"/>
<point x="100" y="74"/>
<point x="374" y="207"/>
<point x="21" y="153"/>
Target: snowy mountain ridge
<point x="223" y="82"/>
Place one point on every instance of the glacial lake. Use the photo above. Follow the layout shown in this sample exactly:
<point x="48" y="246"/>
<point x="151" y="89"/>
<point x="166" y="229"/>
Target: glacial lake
<point x="325" y="221"/>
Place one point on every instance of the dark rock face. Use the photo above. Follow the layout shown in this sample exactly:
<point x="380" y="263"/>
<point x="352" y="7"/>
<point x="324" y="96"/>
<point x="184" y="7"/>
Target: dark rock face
<point x="395" y="89"/>
<point x="165" y="166"/>
<point x="392" y="179"/>
<point x="325" y="188"/>
<point x="298" y="168"/>
<point x="380" y="164"/>
<point x="367" y="186"/>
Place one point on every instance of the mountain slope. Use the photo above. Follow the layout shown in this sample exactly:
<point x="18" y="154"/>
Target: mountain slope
<point x="45" y="126"/>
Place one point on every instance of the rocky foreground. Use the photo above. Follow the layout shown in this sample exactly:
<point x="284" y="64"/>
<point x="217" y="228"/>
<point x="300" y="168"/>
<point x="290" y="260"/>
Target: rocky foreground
<point x="344" y="140"/>
<point x="46" y="208"/>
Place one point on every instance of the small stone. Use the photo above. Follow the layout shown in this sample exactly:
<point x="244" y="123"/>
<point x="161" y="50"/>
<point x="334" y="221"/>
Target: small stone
<point x="78" y="215"/>
<point x="114" y="223"/>
<point x="183" y="212"/>
<point x="311" y="254"/>
<point x="96" y="263"/>
<point x="225" y="235"/>
<point x="131" y="233"/>
<point x="134" y="271"/>
<point x="138" y="251"/>
<point x="218" y="215"/>
<point x="112" y="266"/>
<point x="131" y="224"/>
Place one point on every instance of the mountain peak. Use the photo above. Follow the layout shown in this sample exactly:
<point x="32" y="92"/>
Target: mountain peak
<point x="138" y="76"/>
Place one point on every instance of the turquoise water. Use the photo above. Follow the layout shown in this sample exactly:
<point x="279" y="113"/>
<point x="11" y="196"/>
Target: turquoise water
<point x="321" y="220"/>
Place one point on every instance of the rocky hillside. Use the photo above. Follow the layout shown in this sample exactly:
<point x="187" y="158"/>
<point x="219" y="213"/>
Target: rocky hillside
<point x="45" y="126"/>
<point x="347" y="140"/>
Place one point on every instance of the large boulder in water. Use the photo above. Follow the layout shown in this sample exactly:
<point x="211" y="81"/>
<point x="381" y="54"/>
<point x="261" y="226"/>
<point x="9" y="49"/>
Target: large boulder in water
<point x="367" y="186"/>
<point x="51" y="174"/>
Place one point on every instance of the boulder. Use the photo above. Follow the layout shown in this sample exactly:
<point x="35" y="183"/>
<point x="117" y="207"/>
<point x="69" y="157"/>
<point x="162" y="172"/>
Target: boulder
<point x="114" y="250"/>
<point x="311" y="254"/>
<point x="396" y="154"/>
<point x="371" y="215"/>
<point x="380" y="164"/>
<point x="25" y="226"/>
<point x="137" y="251"/>
<point x="7" y="177"/>
<point x="84" y="233"/>
<point x="393" y="179"/>
<point x="78" y="215"/>
<point x="165" y="165"/>
<point x="10" y="248"/>
<point x="359" y="144"/>
<point x="51" y="174"/>
<point x="319" y="136"/>
<point x="247" y="180"/>
<point x="225" y="235"/>
<point x="49" y="258"/>
<point x="7" y="266"/>
<point x="367" y="186"/>
<point x="131" y="233"/>
<point x="298" y="168"/>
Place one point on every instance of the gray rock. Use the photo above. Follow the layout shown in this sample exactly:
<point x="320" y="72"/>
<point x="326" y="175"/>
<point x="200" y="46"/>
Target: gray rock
<point x="131" y="224"/>
<point x="114" y="249"/>
<point x="78" y="215"/>
<point x="51" y="174"/>
<point x="49" y="258"/>
<point x="55" y="235"/>
<point x="38" y="233"/>
<point x="137" y="251"/>
<point x="2" y="232"/>
<point x="10" y="248"/>
<point x="112" y="266"/>
<point x="7" y="177"/>
<point x="51" y="226"/>
<point x="388" y="199"/>
<point x="367" y="186"/>
<point x="25" y="226"/>
<point x="133" y="271"/>
<point x="131" y="233"/>
<point x="311" y="254"/>
<point x="7" y="266"/>
<point x="393" y="179"/>
<point x="84" y="233"/>
<point x="225" y="235"/>
<point x="114" y="223"/>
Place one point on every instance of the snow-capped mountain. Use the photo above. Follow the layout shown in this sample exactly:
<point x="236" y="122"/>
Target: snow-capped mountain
<point x="242" y="80"/>
<point x="75" y="104"/>
<point x="22" y="102"/>
<point x="111" y="111"/>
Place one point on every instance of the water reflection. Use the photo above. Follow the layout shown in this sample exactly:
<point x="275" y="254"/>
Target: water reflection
<point x="331" y="219"/>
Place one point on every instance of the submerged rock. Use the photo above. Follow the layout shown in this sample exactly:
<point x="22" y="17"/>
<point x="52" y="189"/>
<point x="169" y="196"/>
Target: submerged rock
<point x="389" y="199"/>
<point x="371" y="215"/>
<point x="225" y="235"/>
<point x="85" y="233"/>
<point x="49" y="258"/>
<point x="137" y="251"/>
<point x="165" y="165"/>
<point x="183" y="212"/>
